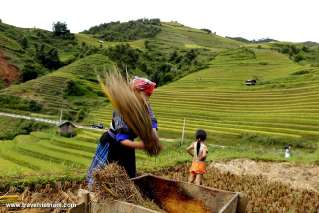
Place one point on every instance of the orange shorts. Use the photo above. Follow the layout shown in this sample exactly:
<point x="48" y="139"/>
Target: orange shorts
<point x="198" y="167"/>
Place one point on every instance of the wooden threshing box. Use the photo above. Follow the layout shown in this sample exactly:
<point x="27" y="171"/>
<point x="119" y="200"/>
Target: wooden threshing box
<point x="174" y="197"/>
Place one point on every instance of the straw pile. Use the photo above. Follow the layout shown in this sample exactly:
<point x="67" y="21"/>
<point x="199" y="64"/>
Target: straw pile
<point x="263" y="195"/>
<point x="113" y="183"/>
<point x="133" y="106"/>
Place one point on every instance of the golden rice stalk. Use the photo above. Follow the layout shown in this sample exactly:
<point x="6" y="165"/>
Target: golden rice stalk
<point x="133" y="106"/>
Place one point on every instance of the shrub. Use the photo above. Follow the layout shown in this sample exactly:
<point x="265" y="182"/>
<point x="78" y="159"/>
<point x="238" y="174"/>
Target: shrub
<point x="275" y="141"/>
<point x="263" y="63"/>
<point x="14" y="102"/>
<point x="206" y="30"/>
<point x="18" y="127"/>
<point x="301" y="72"/>
<point x="74" y="88"/>
<point x="299" y="57"/>
<point x="28" y="73"/>
<point x="126" y="31"/>
<point x="81" y="114"/>
<point x="60" y="29"/>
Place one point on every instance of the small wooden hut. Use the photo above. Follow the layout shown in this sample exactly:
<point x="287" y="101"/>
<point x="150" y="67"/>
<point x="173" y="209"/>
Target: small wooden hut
<point x="67" y="129"/>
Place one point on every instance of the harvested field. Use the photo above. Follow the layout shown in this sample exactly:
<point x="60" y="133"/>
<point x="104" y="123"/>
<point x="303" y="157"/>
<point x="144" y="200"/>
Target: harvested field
<point x="305" y="177"/>
<point x="264" y="193"/>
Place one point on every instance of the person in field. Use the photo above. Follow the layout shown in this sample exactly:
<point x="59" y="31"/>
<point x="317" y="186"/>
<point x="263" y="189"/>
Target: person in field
<point x="117" y="143"/>
<point x="199" y="151"/>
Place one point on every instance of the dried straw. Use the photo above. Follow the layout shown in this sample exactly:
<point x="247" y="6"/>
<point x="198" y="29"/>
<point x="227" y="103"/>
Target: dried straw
<point x="133" y="106"/>
<point x="112" y="182"/>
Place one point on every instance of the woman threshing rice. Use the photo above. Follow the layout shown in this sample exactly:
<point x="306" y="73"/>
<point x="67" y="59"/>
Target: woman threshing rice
<point x="133" y="117"/>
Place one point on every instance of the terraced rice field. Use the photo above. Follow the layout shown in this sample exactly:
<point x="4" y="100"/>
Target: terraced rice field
<point x="216" y="99"/>
<point x="46" y="155"/>
<point x="49" y="89"/>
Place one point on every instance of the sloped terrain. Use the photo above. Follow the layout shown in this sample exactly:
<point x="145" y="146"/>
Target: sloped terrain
<point x="282" y="104"/>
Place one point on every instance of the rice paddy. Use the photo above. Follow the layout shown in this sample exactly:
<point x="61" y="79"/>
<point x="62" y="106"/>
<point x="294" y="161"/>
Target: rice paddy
<point x="217" y="99"/>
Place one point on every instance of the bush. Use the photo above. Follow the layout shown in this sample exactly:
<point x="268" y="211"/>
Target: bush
<point x="81" y="114"/>
<point x="19" y="127"/>
<point x="28" y="73"/>
<point x="74" y="88"/>
<point x="60" y="29"/>
<point x="299" y="57"/>
<point x="24" y="42"/>
<point x="14" y="102"/>
<point x="49" y="59"/>
<point x="126" y="31"/>
<point x="275" y="141"/>
<point x="124" y="56"/>
<point x="206" y="30"/>
<point x="301" y="72"/>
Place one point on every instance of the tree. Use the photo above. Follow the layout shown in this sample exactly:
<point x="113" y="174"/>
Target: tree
<point x="207" y="30"/>
<point x="124" y="56"/>
<point x="28" y="73"/>
<point x="24" y="42"/>
<point x="60" y="29"/>
<point x="49" y="59"/>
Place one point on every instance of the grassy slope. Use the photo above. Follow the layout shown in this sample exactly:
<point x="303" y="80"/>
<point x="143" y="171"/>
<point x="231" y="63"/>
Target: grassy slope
<point x="282" y="105"/>
<point x="91" y="41"/>
<point x="175" y="36"/>
<point x="48" y="89"/>
<point x="10" y="42"/>
<point x="216" y="99"/>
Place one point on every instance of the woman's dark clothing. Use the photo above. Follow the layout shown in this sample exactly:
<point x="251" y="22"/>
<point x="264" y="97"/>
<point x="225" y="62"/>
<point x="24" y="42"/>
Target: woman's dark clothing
<point x="111" y="150"/>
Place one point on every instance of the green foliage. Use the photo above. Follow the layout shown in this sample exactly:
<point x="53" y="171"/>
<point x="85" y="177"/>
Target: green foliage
<point x="49" y="59"/>
<point x="301" y="72"/>
<point x="300" y="53"/>
<point x="37" y="48"/>
<point x="206" y="30"/>
<point x="124" y="56"/>
<point x="24" y="42"/>
<point x="82" y="114"/>
<point x="29" y="72"/>
<point x="161" y="68"/>
<point x="241" y="39"/>
<point x="127" y="31"/>
<point x="74" y="88"/>
<point x="60" y="29"/>
<point x="18" y="127"/>
<point x="276" y="141"/>
<point x="15" y="102"/>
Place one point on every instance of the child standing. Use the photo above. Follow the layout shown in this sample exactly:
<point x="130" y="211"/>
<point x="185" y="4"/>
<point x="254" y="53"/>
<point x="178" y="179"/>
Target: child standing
<point x="198" y="150"/>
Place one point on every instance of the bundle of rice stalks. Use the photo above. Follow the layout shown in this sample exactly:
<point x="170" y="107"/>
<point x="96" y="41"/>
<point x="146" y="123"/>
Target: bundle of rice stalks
<point x="133" y="106"/>
<point x="112" y="182"/>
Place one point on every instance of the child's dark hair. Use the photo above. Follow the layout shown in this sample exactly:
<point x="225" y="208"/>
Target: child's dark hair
<point x="200" y="136"/>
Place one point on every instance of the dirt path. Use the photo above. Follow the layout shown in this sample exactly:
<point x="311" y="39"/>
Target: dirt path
<point x="8" y="72"/>
<point x="298" y="176"/>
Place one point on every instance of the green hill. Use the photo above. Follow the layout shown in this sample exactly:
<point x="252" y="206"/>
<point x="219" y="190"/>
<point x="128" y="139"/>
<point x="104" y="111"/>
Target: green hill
<point x="201" y="78"/>
<point x="165" y="56"/>
<point x="73" y="88"/>
<point x="283" y="104"/>
<point x="35" y="52"/>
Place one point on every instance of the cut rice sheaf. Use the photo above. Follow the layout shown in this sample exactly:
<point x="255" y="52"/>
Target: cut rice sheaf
<point x="133" y="106"/>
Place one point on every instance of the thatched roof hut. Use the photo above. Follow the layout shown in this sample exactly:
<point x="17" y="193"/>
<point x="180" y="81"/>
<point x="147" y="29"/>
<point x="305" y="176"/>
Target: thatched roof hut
<point x="67" y="129"/>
